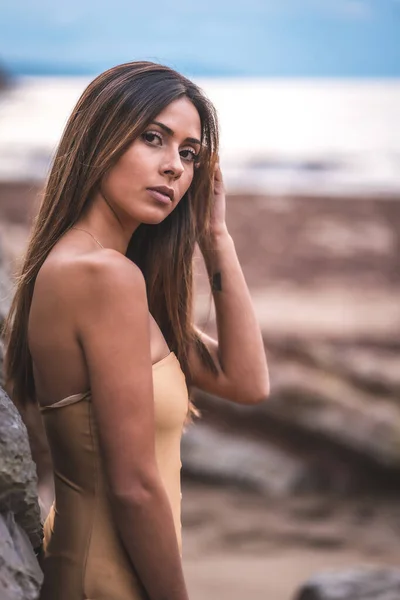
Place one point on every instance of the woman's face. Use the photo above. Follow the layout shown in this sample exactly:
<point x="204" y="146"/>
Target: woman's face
<point x="152" y="176"/>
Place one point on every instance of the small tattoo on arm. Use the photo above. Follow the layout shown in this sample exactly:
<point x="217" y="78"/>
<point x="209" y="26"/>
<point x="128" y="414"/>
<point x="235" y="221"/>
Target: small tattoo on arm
<point x="216" y="282"/>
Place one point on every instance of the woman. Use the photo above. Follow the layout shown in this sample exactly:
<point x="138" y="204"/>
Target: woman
<point x="100" y="332"/>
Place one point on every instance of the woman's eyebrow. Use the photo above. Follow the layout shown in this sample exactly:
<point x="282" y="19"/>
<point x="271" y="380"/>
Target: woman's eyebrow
<point x="170" y="132"/>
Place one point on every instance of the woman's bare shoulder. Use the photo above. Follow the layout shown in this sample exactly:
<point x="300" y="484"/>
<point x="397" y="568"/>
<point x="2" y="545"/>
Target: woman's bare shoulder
<point x="110" y="277"/>
<point x="91" y="273"/>
<point x="81" y="286"/>
<point x="106" y="268"/>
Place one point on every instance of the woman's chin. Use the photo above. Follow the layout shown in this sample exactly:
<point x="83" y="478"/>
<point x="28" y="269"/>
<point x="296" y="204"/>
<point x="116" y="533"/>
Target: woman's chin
<point x="154" y="217"/>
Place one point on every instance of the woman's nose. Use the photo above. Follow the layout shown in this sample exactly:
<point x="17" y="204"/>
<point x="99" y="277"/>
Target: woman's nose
<point x="173" y="165"/>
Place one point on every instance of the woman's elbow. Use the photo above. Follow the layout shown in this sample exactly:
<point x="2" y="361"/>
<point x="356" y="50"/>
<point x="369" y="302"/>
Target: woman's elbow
<point x="134" y="490"/>
<point x="258" y="397"/>
<point x="254" y="394"/>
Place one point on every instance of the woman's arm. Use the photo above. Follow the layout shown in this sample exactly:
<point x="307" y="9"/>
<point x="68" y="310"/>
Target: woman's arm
<point x="113" y="330"/>
<point x="239" y="353"/>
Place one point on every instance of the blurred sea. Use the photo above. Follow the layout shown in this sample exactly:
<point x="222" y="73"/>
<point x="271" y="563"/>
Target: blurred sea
<point x="282" y="136"/>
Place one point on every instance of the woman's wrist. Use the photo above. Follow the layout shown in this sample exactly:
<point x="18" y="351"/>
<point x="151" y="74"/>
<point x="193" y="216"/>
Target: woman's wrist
<point x="219" y="233"/>
<point x="221" y="243"/>
<point x="217" y="238"/>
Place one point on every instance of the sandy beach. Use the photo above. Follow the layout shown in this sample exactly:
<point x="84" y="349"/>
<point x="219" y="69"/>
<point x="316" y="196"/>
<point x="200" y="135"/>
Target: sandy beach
<point x="241" y="546"/>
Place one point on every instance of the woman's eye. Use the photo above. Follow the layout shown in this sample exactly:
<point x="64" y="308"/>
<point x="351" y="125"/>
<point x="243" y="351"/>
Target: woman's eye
<point x="189" y="155"/>
<point x="152" y="138"/>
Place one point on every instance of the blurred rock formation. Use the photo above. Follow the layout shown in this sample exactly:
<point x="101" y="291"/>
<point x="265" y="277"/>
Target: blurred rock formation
<point x="365" y="583"/>
<point x="20" y="526"/>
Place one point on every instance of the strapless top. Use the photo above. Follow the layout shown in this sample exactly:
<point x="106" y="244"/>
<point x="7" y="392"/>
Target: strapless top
<point x="83" y="554"/>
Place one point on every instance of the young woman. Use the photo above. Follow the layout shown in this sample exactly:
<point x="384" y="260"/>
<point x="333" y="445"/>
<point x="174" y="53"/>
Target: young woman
<point x="100" y="332"/>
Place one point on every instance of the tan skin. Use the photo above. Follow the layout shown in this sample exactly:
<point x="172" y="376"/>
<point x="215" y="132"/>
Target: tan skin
<point x="87" y="298"/>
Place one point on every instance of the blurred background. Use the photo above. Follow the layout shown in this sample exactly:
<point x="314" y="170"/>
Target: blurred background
<point x="308" y="95"/>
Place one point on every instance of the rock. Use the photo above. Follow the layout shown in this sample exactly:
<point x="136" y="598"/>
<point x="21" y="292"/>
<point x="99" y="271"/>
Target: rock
<point x="371" y="367"/>
<point x="18" y="479"/>
<point x="20" y="526"/>
<point x="360" y="583"/>
<point x="20" y="574"/>
<point x="228" y="458"/>
<point x="325" y="404"/>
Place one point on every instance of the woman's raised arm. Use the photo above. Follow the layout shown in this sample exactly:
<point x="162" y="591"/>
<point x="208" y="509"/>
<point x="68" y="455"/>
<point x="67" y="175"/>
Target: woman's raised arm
<point x="239" y="352"/>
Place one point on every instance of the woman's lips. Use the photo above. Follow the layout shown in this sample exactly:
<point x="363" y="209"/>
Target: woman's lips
<point x="159" y="196"/>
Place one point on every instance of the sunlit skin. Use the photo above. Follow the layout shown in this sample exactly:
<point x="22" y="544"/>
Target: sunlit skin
<point x="164" y="155"/>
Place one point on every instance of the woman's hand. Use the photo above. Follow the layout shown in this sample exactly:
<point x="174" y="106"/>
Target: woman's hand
<point x="218" y="223"/>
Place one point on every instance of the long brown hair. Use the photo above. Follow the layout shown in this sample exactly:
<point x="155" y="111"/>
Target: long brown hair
<point x="112" y="112"/>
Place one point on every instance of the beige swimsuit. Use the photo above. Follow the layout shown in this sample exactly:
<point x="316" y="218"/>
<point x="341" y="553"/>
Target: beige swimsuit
<point x="84" y="557"/>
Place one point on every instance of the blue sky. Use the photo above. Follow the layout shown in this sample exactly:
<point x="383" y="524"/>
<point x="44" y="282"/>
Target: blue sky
<point x="287" y="38"/>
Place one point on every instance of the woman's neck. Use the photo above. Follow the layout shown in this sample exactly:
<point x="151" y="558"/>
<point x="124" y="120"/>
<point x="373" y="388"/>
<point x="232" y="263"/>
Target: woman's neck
<point x="102" y="221"/>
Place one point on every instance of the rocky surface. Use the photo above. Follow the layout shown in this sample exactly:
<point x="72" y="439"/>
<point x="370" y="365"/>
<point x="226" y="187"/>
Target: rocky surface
<point x="333" y="407"/>
<point x="20" y="526"/>
<point x="20" y="574"/>
<point x="215" y="455"/>
<point x="18" y="481"/>
<point x="345" y="393"/>
<point x="366" y="583"/>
